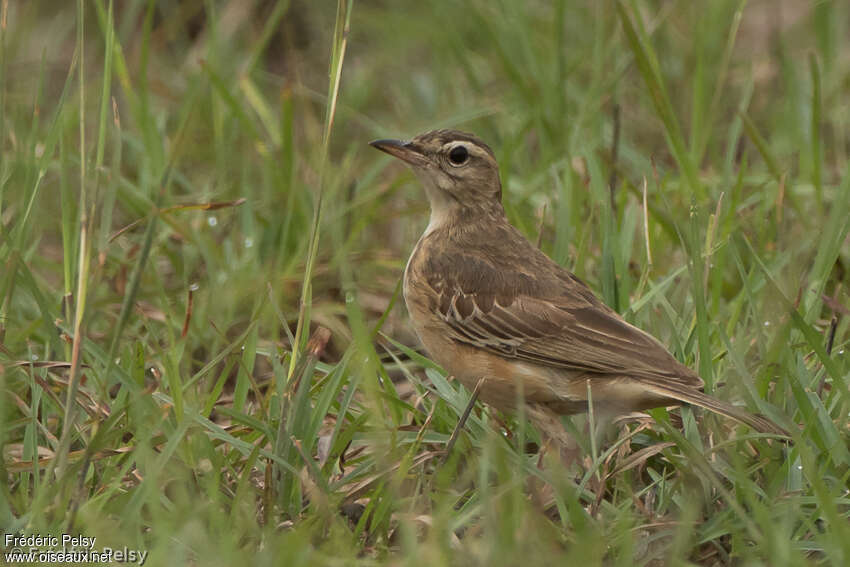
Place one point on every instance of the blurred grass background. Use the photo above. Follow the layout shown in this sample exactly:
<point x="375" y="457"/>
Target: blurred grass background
<point x="186" y="196"/>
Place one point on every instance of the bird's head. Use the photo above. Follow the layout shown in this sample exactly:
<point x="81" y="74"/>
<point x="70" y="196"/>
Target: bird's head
<point x="458" y="171"/>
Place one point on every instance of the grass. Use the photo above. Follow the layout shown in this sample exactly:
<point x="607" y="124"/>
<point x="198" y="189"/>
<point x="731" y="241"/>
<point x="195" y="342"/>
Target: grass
<point x="203" y="348"/>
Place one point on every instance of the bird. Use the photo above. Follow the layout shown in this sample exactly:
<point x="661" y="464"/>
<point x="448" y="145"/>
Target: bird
<point x="506" y="320"/>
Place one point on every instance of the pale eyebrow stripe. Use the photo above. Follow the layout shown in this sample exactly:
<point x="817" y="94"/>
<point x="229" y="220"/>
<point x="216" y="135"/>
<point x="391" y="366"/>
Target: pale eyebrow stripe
<point x="472" y="148"/>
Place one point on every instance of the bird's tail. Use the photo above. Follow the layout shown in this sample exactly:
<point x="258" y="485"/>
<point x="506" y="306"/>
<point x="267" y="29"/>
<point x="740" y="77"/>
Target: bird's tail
<point x="697" y="398"/>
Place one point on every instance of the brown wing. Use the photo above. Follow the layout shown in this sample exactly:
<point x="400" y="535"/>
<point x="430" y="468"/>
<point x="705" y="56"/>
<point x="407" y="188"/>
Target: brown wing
<point x="556" y="322"/>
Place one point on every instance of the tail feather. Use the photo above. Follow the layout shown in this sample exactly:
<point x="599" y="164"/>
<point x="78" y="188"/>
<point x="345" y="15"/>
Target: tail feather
<point x="697" y="398"/>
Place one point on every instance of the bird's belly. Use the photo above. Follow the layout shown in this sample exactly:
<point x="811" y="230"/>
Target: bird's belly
<point x="506" y="381"/>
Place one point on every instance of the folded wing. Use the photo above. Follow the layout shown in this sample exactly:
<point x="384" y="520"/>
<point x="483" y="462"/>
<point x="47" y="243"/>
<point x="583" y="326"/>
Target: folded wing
<point x="565" y="328"/>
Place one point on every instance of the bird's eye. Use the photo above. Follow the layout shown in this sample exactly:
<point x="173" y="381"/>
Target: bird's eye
<point x="459" y="155"/>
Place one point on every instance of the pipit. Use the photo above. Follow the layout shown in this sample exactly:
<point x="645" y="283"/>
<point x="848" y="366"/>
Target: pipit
<point x="491" y="308"/>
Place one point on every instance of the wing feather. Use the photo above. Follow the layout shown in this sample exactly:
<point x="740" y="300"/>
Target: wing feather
<point x="563" y="332"/>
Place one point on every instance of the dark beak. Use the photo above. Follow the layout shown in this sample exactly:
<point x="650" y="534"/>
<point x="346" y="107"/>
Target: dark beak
<point x="405" y="151"/>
